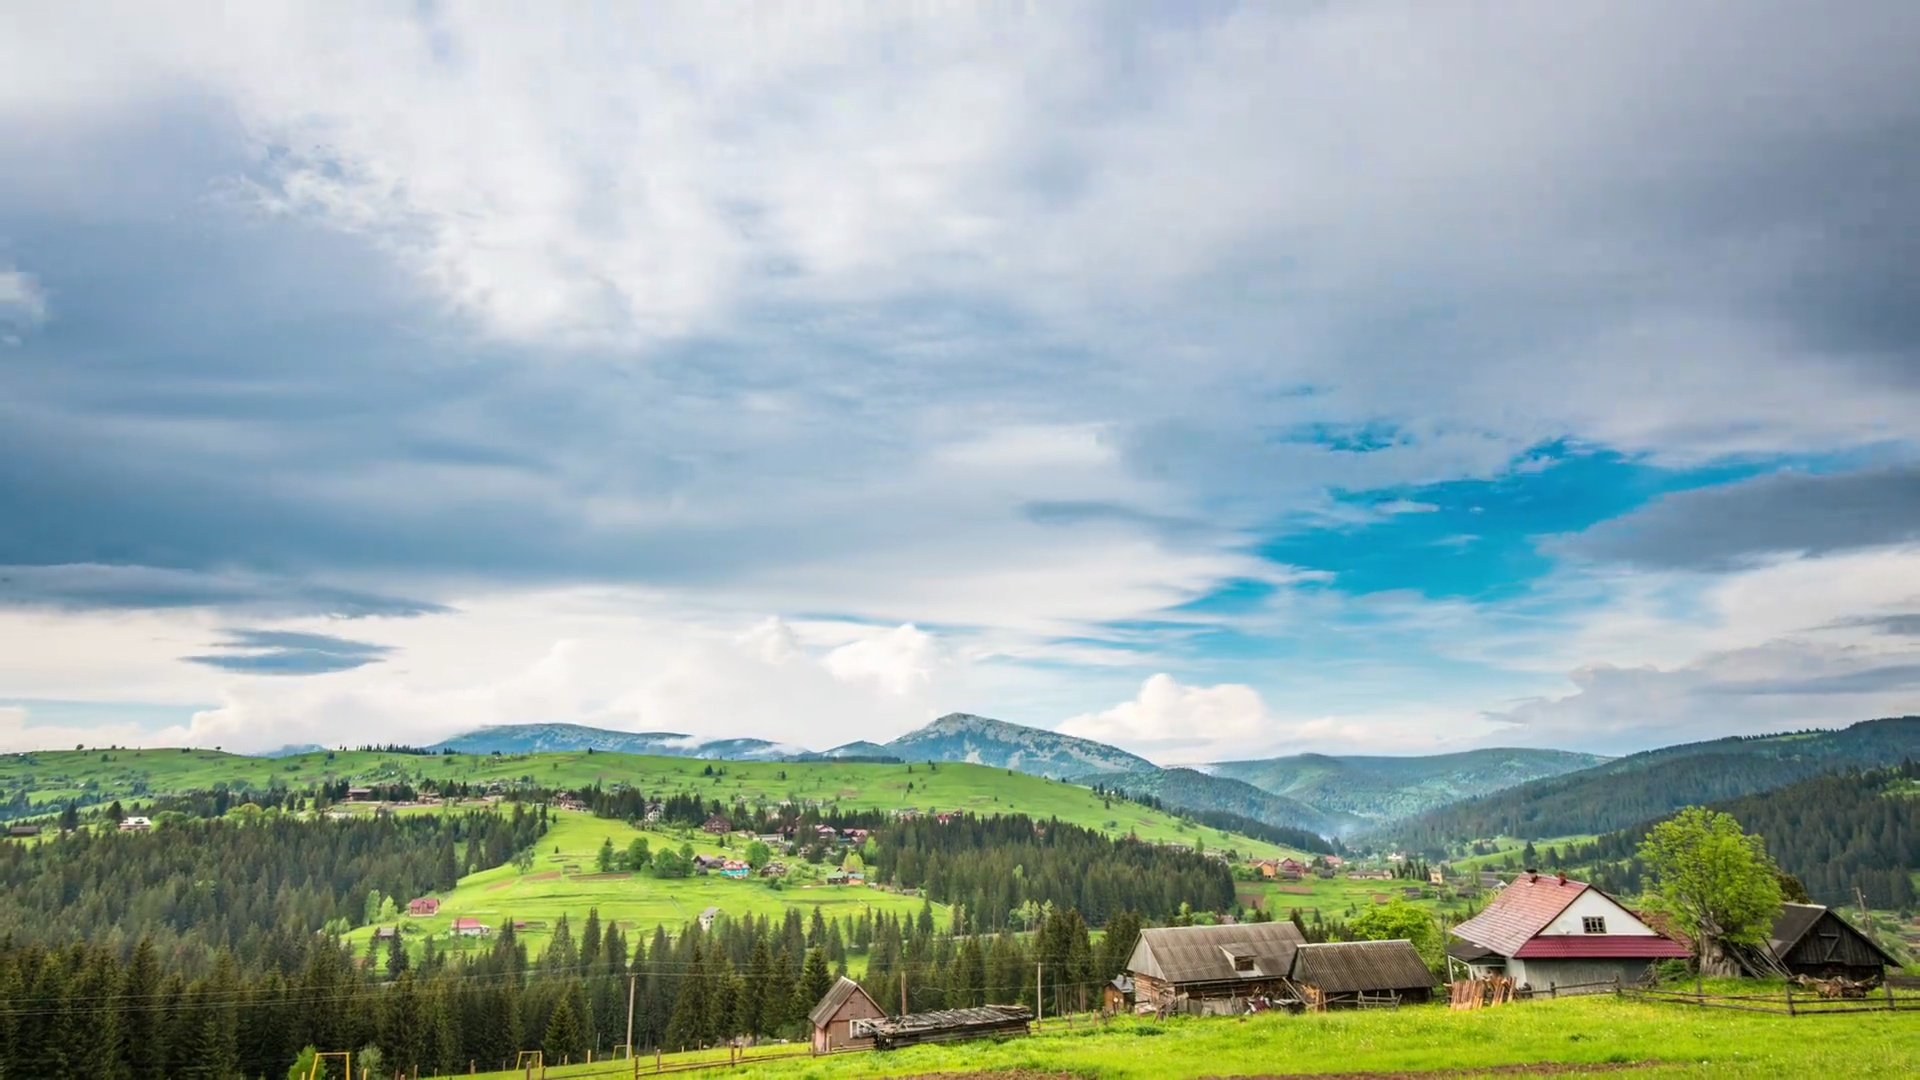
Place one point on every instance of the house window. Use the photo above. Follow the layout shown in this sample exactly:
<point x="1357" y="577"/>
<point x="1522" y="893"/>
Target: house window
<point x="1243" y="963"/>
<point x="1593" y="924"/>
<point x="860" y="1029"/>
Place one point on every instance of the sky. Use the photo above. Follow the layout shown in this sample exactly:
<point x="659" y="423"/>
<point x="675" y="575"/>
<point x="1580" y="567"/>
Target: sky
<point x="1218" y="381"/>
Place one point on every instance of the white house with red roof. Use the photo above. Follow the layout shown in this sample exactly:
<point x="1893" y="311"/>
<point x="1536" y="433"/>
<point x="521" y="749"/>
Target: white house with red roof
<point x="1547" y="932"/>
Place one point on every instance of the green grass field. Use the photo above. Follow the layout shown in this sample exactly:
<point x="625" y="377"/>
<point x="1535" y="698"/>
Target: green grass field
<point x="1543" y="1036"/>
<point x="565" y="880"/>
<point x="62" y="774"/>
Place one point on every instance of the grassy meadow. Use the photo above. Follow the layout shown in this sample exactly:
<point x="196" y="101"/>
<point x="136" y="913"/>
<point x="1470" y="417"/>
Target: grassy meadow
<point x="565" y="880"/>
<point x="59" y="775"/>
<point x="1545" y="1036"/>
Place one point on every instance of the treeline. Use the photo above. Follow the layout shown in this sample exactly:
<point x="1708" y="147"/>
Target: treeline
<point x="1856" y="829"/>
<point x="85" y="1010"/>
<point x="1646" y="787"/>
<point x="253" y="889"/>
<point x="993" y="866"/>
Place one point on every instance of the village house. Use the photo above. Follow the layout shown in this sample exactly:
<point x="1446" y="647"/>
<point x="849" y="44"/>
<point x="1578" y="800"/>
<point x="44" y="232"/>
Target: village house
<point x="855" y="836"/>
<point x="1211" y="969"/>
<point x="359" y="794"/>
<point x="23" y="831"/>
<point x="466" y="926"/>
<point x="708" y="916"/>
<point x="774" y="869"/>
<point x="135" y="824"/>
<point x="734" y="868"/>
<point x="1267" y="867"/>
<point x="1491" y="881"/>
<point x="1344" y="973"/>
<point x="704" y="863"/>
<point x="423" y="906"/>
<point x="718" y="825"/>
<point x="1117" y="996"/>
<point x="947" y="817"/>
<point x="1334" y="861"/>
<point x="835" y="1017"/>
<point x="1813" y="940"/>
<point x="386" y="933"/>
<point x="1292" y="866"/>
<point x="1551" y="932"/>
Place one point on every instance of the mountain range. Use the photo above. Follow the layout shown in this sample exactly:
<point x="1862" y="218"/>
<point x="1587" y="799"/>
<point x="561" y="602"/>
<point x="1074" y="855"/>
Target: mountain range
<point x="1331" y="796"/>
<point x="1388" y="788"/>
<point x="1642" y="787"/>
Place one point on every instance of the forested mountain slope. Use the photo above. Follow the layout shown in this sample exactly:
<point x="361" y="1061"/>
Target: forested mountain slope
<point x="1652" y="784"/>
<point x="1387" y="788"/>
<point x="1186" y="789"/>
<point x="1853" y="829"/>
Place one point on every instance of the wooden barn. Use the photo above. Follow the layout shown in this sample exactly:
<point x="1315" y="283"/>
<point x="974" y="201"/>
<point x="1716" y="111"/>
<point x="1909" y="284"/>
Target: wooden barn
<point x="1117" y="996"/>
<point x="843" y="1018"/>
<point x="950" y="1025"/>
<point x="1810" y="939"/>
<point x="1347" y="973"/>
<point x="1212" y="969"/>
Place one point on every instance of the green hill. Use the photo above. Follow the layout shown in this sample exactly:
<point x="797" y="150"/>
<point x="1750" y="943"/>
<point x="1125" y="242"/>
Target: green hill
<point x="1650" y="785"/>
<point x="1388" y="788"/>
<point x="48" y="778"/>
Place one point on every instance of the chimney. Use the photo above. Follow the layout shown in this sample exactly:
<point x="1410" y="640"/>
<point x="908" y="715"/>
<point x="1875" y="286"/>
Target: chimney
<point x="1532" y="874"/>
<point x="1563" y="877"/>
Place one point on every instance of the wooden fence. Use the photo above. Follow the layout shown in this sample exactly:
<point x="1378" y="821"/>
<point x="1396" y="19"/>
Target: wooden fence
<point x="1783" y="1003"/>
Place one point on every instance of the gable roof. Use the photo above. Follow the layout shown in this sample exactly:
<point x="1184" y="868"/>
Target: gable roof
<point x="1344" y="967"/>
<point x="836" y="996"/>
<point x="1796" y="921"/>
<point x="1519" y="911"/>
<point x="1603" y="946"/>
<point x="1191" y="954"/>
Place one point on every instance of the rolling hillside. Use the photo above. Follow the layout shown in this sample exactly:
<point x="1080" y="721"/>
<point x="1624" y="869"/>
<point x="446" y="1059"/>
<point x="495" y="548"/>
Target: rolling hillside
<point x="1191" y="790"/>
<point x="49" y="778"/>
<point x="1388" y="788"/>
<point x="1649" y="785"/>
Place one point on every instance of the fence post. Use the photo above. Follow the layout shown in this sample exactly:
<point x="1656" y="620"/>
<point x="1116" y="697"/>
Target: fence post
<point x="1790" y="999"/>
<point x="1887" y="985"/>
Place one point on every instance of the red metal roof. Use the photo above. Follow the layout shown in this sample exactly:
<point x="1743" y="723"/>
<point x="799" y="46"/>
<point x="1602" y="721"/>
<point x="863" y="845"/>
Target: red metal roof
<point x="1582" y="946"/>
<point x="1520" y="911"/>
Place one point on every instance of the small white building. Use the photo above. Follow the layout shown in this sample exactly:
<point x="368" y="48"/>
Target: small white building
<point x="135" y="824"/>
<point x="1551" y="932"/>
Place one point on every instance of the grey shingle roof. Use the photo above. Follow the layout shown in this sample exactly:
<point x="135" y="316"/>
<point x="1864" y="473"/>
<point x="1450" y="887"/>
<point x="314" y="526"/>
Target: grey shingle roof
<point x="836" y="996"/>
<point x="1192" y="954"/>
<point x="1344" y="967"/>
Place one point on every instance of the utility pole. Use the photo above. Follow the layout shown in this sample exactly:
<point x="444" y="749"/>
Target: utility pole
<point x="1039" y="1003"/>
<point x="903" y="991"/>
<point x="630" y="985"/>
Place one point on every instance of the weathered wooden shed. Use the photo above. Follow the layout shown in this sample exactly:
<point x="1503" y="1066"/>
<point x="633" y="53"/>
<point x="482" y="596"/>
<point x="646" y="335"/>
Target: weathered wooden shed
<point x="842" y="1018"/>
<point x="1212" y="969"/>
<point x="1343" y="973"/>
<point x="1812" y="939"/>
<point x="951" y="1025"/>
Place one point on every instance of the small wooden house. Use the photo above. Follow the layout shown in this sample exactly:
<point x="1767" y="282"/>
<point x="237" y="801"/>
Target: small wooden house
<point x="422" y="907"/>
<point x="1344" y="973"/>
<point x="1811" y="939"/>
<point x="1117" y="996"/>
<point x="843" y="1018"/>
<point x="1212" y="969"/>
<point x="717" y="825"/>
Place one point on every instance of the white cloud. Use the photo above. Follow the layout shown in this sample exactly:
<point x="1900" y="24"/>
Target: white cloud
<point x="23" y="303"/>
<point x="1167" y="714"/>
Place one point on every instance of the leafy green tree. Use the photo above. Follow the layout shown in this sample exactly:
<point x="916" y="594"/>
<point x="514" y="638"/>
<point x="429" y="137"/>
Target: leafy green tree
<point x="303" y="1064"/>
<point x="605" y="859"/>
<point x="758" y="854"/>
<point x="1399" y="919"/>
<point x="1715" y="880"/>
<point x="637" y="854"/>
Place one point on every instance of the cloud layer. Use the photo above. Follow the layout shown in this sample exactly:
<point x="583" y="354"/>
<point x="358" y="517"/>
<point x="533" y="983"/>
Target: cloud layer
<point x="1348" y="375"/>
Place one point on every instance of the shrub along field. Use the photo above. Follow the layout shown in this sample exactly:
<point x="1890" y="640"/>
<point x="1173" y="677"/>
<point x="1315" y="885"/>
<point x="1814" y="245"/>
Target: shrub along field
<point x="102" y="775"/>
<point x="1595" y="1032"/>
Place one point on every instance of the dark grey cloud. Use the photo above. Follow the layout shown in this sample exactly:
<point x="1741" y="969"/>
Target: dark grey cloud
<point x="1903" y="625"/>
<point x="286" y="652"/>
<point x="90" y="587"/>
<point x="1722" y="527"/>
<point x="1875" y="680"/>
